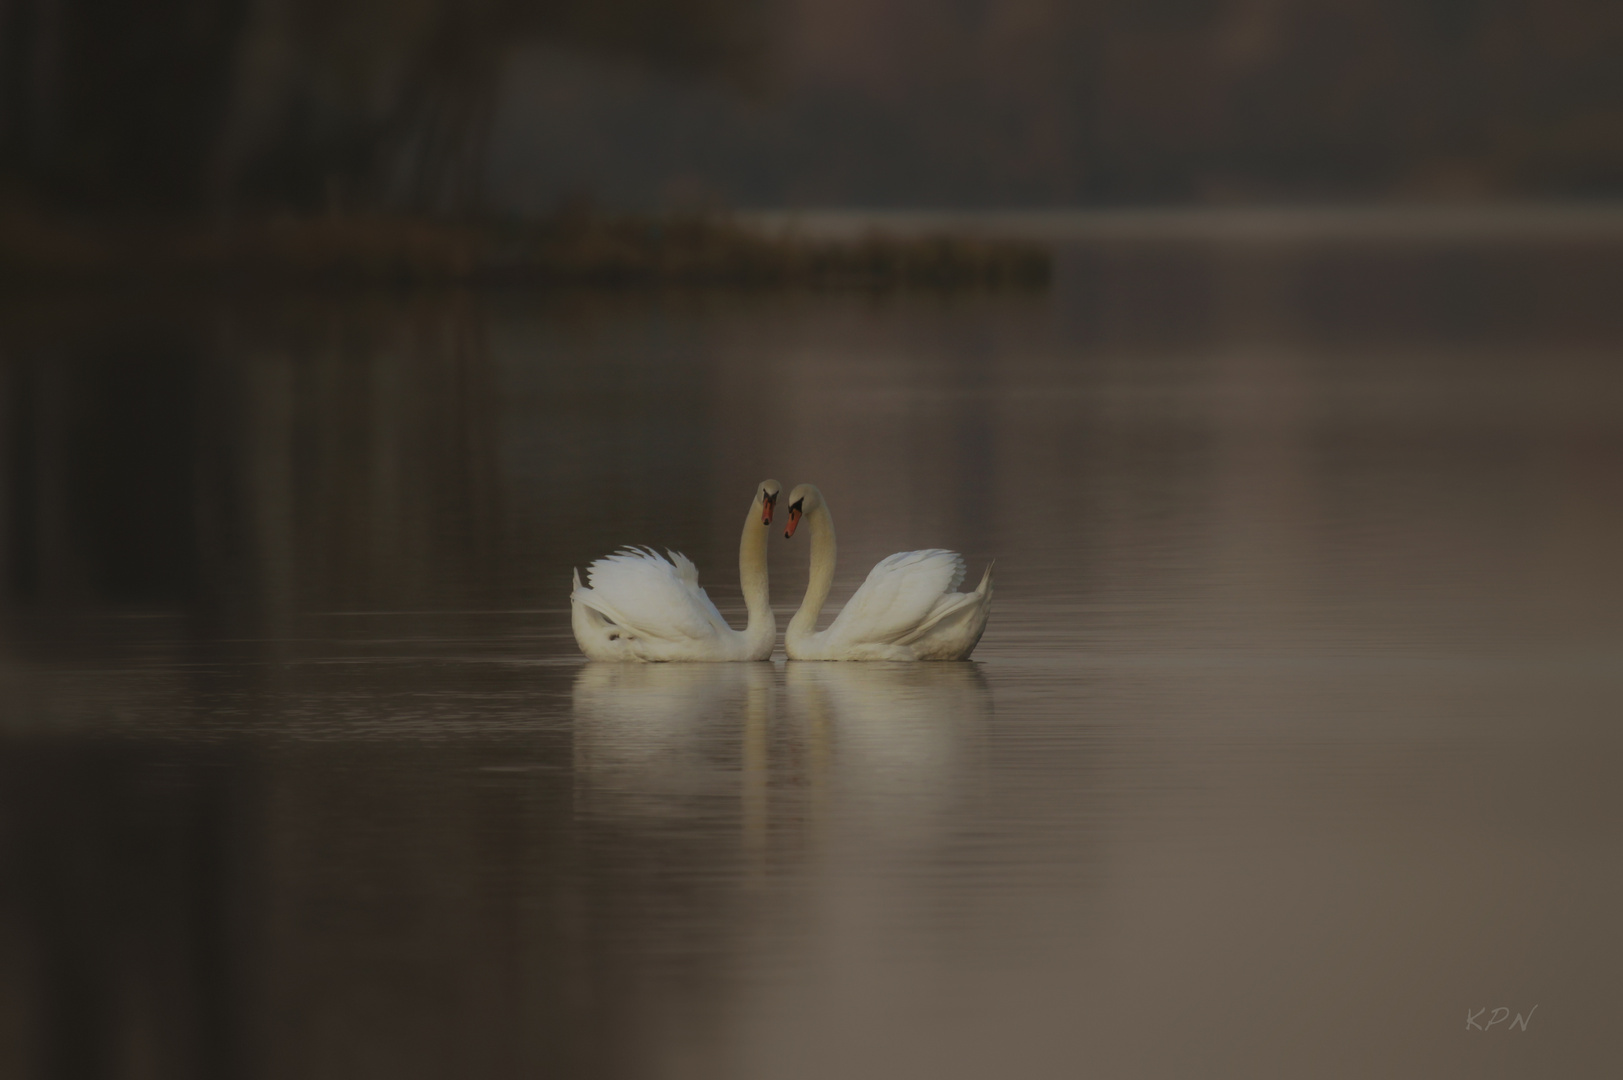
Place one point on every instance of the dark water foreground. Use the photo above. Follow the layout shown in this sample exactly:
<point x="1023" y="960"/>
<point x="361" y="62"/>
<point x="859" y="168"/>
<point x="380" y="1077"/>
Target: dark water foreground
<point x="1291" y="747"/>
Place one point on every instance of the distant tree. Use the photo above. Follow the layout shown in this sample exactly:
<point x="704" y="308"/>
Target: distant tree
<point x="176" y="107"/>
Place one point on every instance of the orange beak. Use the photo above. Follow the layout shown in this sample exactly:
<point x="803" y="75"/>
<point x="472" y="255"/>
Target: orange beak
<point x="767" y="505"/>
<point x="794" y="519"/>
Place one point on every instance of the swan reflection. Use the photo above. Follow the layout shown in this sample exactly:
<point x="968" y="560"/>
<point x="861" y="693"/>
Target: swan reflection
<point x="651" y="737"/>
<point x="806" y="746"/>
<point x="887" y="741"/>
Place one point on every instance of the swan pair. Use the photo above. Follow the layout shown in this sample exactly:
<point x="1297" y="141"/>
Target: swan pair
<point x="642" y="606"/>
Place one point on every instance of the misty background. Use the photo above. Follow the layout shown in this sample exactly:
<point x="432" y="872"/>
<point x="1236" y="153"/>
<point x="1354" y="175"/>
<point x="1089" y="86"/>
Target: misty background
<point x="226" y="107"/>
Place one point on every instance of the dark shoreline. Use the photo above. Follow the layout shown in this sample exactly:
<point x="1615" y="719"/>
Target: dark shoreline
<point x="584" y="249"/>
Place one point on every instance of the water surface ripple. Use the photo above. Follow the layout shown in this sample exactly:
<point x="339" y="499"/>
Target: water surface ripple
<point x="1292" y="741"/>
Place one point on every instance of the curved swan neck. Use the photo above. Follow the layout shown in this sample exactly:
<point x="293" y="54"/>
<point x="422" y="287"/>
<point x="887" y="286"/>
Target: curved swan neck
<point x="821" y="524"/>
<point x="752" y="575"/>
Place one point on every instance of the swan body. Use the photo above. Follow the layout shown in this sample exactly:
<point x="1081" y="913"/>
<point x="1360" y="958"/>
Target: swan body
<point x="640" y="606"/>
<point x="908" y="609"/>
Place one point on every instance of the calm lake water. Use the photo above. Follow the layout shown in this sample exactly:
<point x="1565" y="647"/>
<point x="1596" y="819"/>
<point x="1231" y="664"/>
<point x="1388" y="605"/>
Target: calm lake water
<point x="1292" y="744"/>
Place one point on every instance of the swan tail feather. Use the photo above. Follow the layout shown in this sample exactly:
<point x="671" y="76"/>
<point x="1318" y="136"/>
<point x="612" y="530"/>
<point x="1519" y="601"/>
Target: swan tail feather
<point x="953" y="605"/>
<point x="652" y="595"/>
<point x="901" y="592"/>
<point x="684" y="567"/>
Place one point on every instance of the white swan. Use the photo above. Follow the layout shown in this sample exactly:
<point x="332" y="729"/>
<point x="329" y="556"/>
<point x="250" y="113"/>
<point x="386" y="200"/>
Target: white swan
<point x="908" y="609"/>
<point x="640" y="606"/>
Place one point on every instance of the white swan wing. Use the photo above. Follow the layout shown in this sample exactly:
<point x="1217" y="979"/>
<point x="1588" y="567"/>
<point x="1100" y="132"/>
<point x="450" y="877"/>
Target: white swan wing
<point x="901" y="593"/>
<point x="652" y="595"/>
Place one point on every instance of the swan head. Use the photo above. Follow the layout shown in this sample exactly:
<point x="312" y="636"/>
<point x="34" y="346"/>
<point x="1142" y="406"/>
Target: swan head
<point x="802" y="501"/>
<point x="767" y="496"/>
